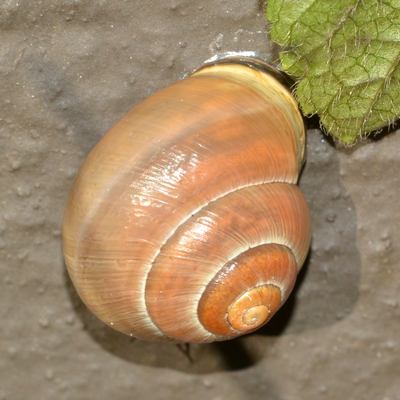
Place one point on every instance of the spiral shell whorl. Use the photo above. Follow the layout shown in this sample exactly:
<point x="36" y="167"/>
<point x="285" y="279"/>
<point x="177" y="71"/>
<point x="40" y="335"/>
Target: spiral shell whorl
<point x="266" y="275"/>
<point x="190" y="181"/>
<point x="207" y="246"/>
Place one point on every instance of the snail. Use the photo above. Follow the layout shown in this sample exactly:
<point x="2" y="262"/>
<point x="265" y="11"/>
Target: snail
<point x="185" y="223"/>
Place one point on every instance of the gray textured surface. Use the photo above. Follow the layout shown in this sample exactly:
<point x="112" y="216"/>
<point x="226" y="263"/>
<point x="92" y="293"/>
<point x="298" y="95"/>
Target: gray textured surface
<point x="68" y="71"/>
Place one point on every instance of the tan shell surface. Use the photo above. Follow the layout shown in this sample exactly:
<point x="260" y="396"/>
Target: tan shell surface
<point x="184" y="148"/>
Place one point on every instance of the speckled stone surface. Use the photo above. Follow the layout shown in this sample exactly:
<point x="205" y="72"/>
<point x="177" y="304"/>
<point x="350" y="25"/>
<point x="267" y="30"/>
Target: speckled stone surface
<point x="69" y="70"/>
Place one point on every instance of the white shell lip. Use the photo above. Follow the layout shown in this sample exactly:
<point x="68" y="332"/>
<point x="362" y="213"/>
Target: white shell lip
<point x="234" y="54"/>
<point x="253" y="60"/>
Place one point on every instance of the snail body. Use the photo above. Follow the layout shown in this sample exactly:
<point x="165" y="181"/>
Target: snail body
<point x="185" y="223"/>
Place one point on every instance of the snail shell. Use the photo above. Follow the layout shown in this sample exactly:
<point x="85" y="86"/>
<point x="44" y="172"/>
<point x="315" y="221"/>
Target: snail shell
<point x="185" y="223"/>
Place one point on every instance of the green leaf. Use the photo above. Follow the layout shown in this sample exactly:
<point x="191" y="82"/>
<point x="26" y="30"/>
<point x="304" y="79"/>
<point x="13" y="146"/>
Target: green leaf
<point x="347" y="54"/>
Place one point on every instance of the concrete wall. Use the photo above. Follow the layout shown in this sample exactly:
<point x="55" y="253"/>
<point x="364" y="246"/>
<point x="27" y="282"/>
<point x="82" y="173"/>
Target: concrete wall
<point x="69" y="69"/>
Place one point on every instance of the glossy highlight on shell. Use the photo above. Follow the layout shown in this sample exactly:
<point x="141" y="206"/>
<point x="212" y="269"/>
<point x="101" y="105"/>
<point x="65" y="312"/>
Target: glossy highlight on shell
<point x="185" y="223"/>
